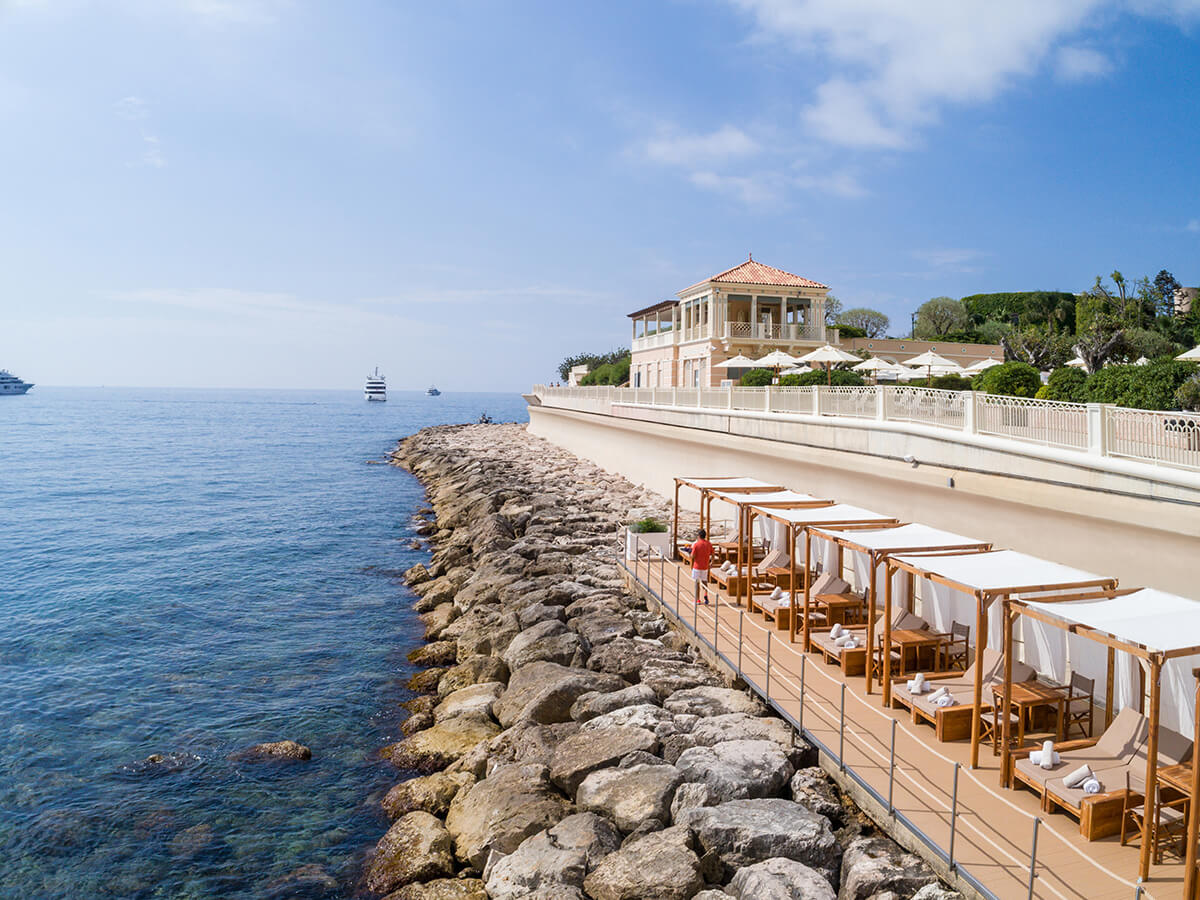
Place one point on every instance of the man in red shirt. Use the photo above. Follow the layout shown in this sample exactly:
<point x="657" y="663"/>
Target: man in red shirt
<point x="701" y="557"/>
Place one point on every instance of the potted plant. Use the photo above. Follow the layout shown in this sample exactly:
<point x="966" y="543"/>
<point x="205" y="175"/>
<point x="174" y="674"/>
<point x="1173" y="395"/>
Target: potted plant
<point x="646" y="534"/>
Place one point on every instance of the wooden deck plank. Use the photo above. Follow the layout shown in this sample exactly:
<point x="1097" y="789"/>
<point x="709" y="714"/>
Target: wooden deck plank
<point x="994" y="825"/>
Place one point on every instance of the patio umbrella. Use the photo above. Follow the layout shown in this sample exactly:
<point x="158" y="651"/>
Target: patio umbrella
<point x="776" y="359"/>
<point x="1077" y="363"/>
<point x="983" y="364"/>
<point x="738" y="362"/>
<point x="1142" y="361"/>
<point x="874" y="365"/>
<point x="928" y="360"/>
<point x="1193" y="354"/>
<point x="796" y="370"/>
<point x="829" y="356"/>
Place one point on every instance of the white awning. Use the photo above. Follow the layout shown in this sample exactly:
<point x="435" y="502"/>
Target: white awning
<point x="1154" y="619"/>
<point x="838" y="514"/>
<point x="912" y="537"/>
<point x="768" y="497"/>
<point x="732" y="482"/>
<point x="1002" y="570"/>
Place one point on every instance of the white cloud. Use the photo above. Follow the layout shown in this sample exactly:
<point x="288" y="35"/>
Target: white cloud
<point x="756" y="191"/>
<point x="952" y="258"/>
<point x="1081" y="63"/>
<point x="841" y="183"/>
<point x="693" y="150"/>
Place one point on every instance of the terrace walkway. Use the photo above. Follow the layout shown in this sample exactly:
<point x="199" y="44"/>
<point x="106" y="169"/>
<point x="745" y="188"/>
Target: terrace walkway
<point x="988" y="847"/>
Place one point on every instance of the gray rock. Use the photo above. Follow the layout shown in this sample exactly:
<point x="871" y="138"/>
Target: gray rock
<point x="540" y="612"/>
<point x="737" y="770"/>
<point x="730" y="727"/>
<point x="416" y="848"/>
<point x="691" y="795"/>
<point x="417" y="574"/>
<point x="872" y="865"/>
<point x="745" y="832"/>
<point x="657" y="866"/>
<point x="499" y="812"/>
<point x="630" y="796"/>
<point x="538" y="864"/>
<point x="442" y="889"/>
<point x="712" y="894"/>
<point x="273" y="750"/>
<point x="627" y="656"/>
<point x="592" y="834"/>
<point x="666" y="676"/>
<point x="428" y="793"/>
<point x="485" y="639"/>
<point x="476" y="701"/>
<point x="936" y="891"/>
<point x="595" y="703"/>
<point x="646" y="715"/>
<point x="473" y="670"/>
<point x="641" y="758"/>
<point x="438" y="653"/>
<point x="529" y="743"/>
<point x="437" y="747"/>
<point x="543" y="692"/>
<point x="437" y="619"/>
<point x="601" y="627"/>
<point x="600" y="748"/>
<point x="548" y="641"/>
<point x="780" y="879"/>
<point x="713" y="701"/>
<point x="811" y="787"/>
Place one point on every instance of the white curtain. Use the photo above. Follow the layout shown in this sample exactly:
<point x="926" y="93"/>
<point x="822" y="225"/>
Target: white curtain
<point x="1177" y="708"/>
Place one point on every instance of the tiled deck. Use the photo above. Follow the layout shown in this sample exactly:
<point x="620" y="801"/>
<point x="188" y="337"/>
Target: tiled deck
<point x="995" y="826"/>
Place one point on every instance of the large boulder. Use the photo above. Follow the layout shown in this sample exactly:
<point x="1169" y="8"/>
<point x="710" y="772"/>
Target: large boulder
<point x="601" y="627"/>
<point x="538" y="864"/>
<point x="438" y="653"/>
<point x="744" y="832"/>
<point x="442" y="889"/>
<point x="666" y="676"/>
<point x="646" y="715"/>
<point x="730" y="727"/>
<point x="658" y="866"/>
<point x="543" y="692"/>
<point x="630" y="796"/>
<point x="473" y="670"/>
<point x="600" y="748"/>
<point x="707" y="700"/>
<point x="437" y="747"/>
<point x="416" y="848"/>
<point x="499" y="812"/>
<point x="811" y="787"/>
<point x="288" y="751"/>
<point x="529" y="743"/>
<point x="549" y="641"/>
<point x="437" y="619"/>
<point x="476" y="701"/>
<point x="428" y="793"/>
<point x="540" y="612"/>
<point x="780" y="879"/>
<point x="872" y="865"/>
<point x="595" y="703"/>
<point x="586" y="831"/>
<point x="626" y="656"/>
<point x="737" y="770"/>
<point x="691" y="795"/>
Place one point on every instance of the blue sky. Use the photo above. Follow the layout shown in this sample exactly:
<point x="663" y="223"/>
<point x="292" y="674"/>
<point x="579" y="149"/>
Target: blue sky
<point x="264" y="193"/>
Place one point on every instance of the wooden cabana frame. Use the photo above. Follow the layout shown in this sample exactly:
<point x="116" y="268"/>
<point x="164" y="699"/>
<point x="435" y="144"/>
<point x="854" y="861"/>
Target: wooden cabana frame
<point x="1148" y="657"/>
<point x="799" y="522"/>
<point x="985" y="595"/>
<point x="1193" y="829"/>
<point x="704" y="484"/>
<point x="894" y="540"/>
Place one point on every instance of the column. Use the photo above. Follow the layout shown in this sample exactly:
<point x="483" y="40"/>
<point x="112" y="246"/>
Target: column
<point x="753" y="314"/>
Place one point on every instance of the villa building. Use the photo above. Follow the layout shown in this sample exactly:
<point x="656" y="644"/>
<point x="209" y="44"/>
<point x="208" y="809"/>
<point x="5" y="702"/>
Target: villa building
<point x="751" y="310"/>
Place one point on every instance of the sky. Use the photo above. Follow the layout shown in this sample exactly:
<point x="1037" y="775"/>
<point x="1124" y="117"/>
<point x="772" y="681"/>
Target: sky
<point x="278" y="193"/>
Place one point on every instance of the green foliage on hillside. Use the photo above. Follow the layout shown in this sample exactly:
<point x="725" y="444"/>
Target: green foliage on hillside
<point x="615" y="373"/>
<point x="592" y="360"/>
<point x="1012" y="379"/>
<point x="1053" y="309"/>
<point x="1152" y="386"/>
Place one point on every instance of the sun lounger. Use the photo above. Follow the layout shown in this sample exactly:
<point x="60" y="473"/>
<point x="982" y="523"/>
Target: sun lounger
<point x="953" y="722"/>
<point x="853" y="661"/>
<point x="780" y="608"/>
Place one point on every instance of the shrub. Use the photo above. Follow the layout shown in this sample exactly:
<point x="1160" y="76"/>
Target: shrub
<point x="648" y="525"/>
<point x="1138" y="342"/>
<point x="1152" y="386"/>
<point x="1066" y="384"/>
<point x="1011" y="379"/>
<point x="951" y="382"/>
<point x="757" y="378"/>
<point x="851" y="331"/>
<point x="609" y="373"/>
<point x="837" y="378"/>
<point x="1188" y="395"/>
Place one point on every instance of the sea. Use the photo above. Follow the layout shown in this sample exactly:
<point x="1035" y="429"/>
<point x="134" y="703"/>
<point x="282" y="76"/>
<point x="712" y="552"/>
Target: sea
<point x="184" y="573"/>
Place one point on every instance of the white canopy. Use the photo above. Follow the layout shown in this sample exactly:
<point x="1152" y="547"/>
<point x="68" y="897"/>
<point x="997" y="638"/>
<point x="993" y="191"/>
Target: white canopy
<point x="1077" y="363"/>
<point x="929" y="358"/>
<point x="1142" y="361"/>
<point x="837" y="514"/>
<point x="775" y="359"/>
<point x="1005" y="571"/>
<point x="1154" y="619"/>
<point x="829" y="355"/>
<point x="796" y="370"/>
<point x="780" y="496"/>
<point x="738" y="362"/>
<point x="912" y="537"/>
<point x="983" y="364"/>
<point x="730" y="482"/>
<point x="872" y="364"/>
<point x="1194" y="353"/>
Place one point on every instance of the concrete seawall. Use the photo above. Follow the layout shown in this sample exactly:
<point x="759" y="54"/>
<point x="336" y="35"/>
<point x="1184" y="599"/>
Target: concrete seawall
<point x="1135" y="536"/>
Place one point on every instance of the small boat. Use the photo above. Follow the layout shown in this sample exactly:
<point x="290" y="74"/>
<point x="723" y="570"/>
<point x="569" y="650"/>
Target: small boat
<point x="485" y="419"/>
<point x="376" y="388"/>
<point x="11" y="384"/>
<point x="433" y="392"/>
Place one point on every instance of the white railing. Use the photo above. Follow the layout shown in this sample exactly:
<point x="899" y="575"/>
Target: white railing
<point x="753" y="331"/>
<point x="1147" y="436"/>
<point x="659" y="339"/>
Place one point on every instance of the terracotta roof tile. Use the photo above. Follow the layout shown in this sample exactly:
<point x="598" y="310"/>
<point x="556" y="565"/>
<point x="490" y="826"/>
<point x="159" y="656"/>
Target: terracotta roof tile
<point x="751" y="272"/>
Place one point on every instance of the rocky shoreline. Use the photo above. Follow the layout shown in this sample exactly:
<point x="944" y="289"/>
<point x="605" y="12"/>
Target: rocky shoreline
<point x="568" y="743"/>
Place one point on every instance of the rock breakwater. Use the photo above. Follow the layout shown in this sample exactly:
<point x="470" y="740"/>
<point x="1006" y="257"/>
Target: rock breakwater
<point x="568" y="743"/>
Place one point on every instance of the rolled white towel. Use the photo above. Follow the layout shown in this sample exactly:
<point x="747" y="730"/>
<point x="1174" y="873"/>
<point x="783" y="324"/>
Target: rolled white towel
<point x="1047" y="755"/>
<point x="1078" y="777"/>
<point x="850" y="644"/>
<point x="945" y="700"/>
<point x="939" y="693"/>
<point x="777" y="594"/>
<point x="914" y="688"/>
<point x="836" y="630"/>
<point x="844" y="640"/>
<point x="919" y="681"/>
<point x="1037" y="757"/>
<point x="1092" y="786"/>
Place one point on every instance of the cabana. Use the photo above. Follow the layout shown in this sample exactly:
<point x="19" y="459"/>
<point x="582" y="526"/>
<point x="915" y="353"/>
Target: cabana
<point x="797" y="522"/>
<point x="874" y="547"/>
<point x="1159" y="631"/>
<point x="703" y="484"/>
<point x="741" y="501"/>
<point x="983" y="577"/>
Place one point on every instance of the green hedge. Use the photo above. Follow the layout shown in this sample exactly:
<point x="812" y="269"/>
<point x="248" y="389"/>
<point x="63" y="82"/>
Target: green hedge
<point x="1066" y="385"/>
<point x="757" y="378"/>
<point x="609" y="373"/>
<point x="837" y="378"/>
<point x="1011" y="379"/>
<point x="1152" y="386"/>
<point x="951" y="383"/>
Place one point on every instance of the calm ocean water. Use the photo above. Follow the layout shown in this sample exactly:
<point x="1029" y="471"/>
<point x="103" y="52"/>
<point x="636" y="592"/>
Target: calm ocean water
<point x="188" y="572"/>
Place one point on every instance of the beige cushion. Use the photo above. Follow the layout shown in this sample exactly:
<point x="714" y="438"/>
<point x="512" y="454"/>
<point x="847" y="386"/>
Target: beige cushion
<point x="828" y="583"/>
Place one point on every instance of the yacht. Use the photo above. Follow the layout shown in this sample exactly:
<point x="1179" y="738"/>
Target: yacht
<point x="433" y="392"/>
<point x="11" y="384"/>
<point x="376" y="386"/>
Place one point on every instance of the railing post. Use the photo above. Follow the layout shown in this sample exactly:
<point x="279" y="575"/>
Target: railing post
<point x="767" y="688"/>
<point x="842" y="731"/>
<point x="716" y="619"/>
<point x="880" y="405"/>
<point x="1033" y="857"/>
<point x="816" y="400"/>
<point x="969" y="410"/>
<point x="1097" y="422"/>
<point x="767" y="398"/>
<point x="741" y="618"/>
<point x="677" y="594"/>
<point x="674" y="396"/>
<point x="800" y="719"/>
<point x="729" y="397"/>
<point x="953" y="813"/>
<point x="892" y="770"/>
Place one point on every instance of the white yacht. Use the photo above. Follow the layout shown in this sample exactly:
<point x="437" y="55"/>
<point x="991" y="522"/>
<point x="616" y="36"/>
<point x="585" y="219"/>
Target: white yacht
<point x="376" y="386"/>
<point x="11" y="384"/>
<point x="433" y="392"/>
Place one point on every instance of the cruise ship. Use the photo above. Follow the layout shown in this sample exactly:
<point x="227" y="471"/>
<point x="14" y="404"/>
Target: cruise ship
<point x="376" y="386"/>
<point x="11" y="384"/>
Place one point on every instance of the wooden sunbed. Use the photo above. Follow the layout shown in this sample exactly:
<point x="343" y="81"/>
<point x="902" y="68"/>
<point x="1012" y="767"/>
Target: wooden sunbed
<point x="854" y="661"/>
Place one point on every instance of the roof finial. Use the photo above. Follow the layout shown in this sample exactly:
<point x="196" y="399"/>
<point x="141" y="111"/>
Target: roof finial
<point x="751" y="255"/>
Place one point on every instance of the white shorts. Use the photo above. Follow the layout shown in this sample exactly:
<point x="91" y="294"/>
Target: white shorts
<point x="700" y="575"/>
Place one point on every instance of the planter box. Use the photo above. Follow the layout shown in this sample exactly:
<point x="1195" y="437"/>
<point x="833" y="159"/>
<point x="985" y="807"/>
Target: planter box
<point x="652" y="540"/>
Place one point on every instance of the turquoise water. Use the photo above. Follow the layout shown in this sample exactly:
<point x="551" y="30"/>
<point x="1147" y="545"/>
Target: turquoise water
<point x="186" y="573"/>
